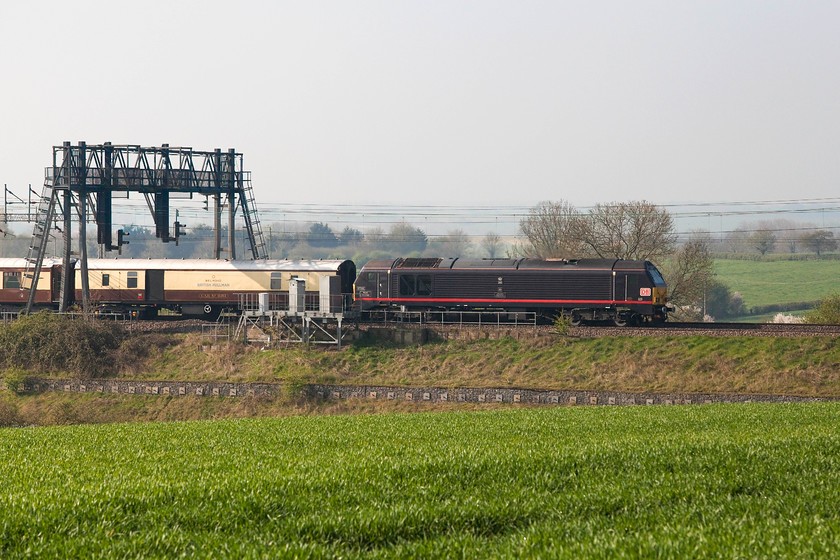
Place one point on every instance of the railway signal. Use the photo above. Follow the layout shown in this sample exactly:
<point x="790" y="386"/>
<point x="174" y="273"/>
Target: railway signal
<point x="121" y="235"/>
<point x="179" y="231"/>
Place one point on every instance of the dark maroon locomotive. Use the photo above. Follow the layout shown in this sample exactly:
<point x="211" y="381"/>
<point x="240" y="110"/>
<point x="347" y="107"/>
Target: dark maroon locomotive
<point x="583" y="290"/>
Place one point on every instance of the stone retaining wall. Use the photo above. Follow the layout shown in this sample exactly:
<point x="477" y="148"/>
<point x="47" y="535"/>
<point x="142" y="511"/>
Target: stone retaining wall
<point x="411" y="394"/>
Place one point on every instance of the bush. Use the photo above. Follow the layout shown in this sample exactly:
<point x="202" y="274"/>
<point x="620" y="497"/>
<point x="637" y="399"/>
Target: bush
<point x="15" y="379"/>
<point x="45" y="342"/>
<point x="562" y="324"/>
<point x="782" y="307"/>
<point x="826" y="312"/>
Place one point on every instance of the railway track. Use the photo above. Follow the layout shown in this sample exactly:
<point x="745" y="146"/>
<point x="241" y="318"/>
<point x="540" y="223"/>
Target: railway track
<point x="780" y="330"/>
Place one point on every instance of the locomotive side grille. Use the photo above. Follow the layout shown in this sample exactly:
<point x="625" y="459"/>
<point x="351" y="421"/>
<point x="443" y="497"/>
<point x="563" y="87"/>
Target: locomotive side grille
<point x="465" y="285"/>
<point x="549" y="286"/>
<point x="565" y="286"/>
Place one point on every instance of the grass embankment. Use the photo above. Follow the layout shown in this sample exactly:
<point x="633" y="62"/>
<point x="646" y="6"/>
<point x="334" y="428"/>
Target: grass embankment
<point x="797" y="366"/>
<point x="715" y="481"/>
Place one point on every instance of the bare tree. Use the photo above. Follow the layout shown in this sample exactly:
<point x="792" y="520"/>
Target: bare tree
<point x="491" y="244"/>
<point x="627" y="230"/>
<point x="454" y="244"/>
<point x="689" y="270"/>
<point x="763" y="241"/>
<point x="819" y="241"/>
<point x="737" y="240"/>
<point x="550" y="230"/>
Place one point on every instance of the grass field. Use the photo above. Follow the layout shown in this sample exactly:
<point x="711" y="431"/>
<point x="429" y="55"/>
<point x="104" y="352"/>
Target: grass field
<point x="765" y="283"/>
<point x="751" y="481"/>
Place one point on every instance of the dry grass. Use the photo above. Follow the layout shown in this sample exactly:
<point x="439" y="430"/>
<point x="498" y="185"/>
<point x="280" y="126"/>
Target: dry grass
<point x="801" y="366"/>
<point x="49" y="409"/>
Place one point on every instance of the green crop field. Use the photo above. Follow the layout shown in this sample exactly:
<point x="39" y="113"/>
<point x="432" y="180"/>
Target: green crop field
<point x="771" y="282"/>
<point x="713" y="481"/>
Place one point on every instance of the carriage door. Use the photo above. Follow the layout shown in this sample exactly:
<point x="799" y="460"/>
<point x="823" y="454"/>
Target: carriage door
<point x="55" y="283"/>
<point x="154" y="285"/>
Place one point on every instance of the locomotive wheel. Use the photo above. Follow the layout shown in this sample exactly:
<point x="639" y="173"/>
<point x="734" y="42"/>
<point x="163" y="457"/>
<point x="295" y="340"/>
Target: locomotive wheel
<point x="576" y="320"/>
<point x="620" y="320"/>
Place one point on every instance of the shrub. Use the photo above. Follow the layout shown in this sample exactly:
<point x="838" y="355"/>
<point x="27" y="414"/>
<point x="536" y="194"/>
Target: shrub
<point x="53" y="343"/>
<point x="781" y="318"/>
<point x="562" y="324"/>
<point x="15" y="379"/>
<point x="826" y="312"/>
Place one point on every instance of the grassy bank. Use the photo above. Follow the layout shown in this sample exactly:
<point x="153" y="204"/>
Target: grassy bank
<point x="700" y="482"/>
<point x="62" y="409"/>
<point x="797" y="366"/>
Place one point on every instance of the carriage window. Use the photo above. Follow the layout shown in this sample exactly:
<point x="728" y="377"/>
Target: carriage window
<point x="424" y="285"/>
<point x="11" y="279"/>
<point x="276" y="280"/>
<point x="407" y="285"/>
<point x="131" y="280"/>
<point x="371" y="276"/>
<point x="106" y="279"/>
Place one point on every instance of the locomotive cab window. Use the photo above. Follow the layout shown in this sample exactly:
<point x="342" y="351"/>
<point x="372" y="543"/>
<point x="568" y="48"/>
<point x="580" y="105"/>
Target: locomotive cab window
<point x="106" y="279"/>
<point x="276" y="280"/>
<point x="655" y="276"/>
<point x="407" y="285"/>
<point x="131" y="280"/>
<point x="11" y="279"/>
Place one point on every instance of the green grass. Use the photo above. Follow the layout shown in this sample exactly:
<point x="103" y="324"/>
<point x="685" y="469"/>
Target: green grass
<point x="754" y="481"/>
<point x="765" y="283"/>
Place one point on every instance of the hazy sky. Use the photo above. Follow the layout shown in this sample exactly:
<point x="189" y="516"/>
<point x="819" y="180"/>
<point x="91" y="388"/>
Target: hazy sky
<point x="448" y="102"/>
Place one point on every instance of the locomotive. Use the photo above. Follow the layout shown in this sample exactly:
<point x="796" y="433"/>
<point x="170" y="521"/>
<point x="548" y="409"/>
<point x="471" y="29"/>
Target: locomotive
<point x="622" y="291"/>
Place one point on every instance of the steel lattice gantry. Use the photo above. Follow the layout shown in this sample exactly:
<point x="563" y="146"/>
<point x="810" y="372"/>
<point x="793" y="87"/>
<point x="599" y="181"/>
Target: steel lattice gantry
<point x="88" y="178"/>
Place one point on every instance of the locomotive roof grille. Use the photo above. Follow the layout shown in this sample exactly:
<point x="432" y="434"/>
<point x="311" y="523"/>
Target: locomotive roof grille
<point x="417" y="263"/>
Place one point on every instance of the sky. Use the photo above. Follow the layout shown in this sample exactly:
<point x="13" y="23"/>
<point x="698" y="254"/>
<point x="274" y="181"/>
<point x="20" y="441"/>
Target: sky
<point x="441" y="102"/>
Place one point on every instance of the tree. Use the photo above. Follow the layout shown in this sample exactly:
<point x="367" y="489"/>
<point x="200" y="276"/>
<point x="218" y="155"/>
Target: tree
<point x="405" y="238"/>
<point x="491" y="244"/>
<point x="454" y="244"/>
<point x="350" y="236"/>
<point x="550" y="229"/>
<point x="819" y="241"/>
<point x="737" y="240"/>
<point x="627" y="230"/>
<point x="321" y="235"/>
<point x="721" y="303"/>
<point x="763" y="241"/>
<point x="689" y="271"/>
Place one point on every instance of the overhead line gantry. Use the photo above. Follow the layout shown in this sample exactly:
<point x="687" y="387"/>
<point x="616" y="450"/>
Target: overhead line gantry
<point x="88" y="178"/>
